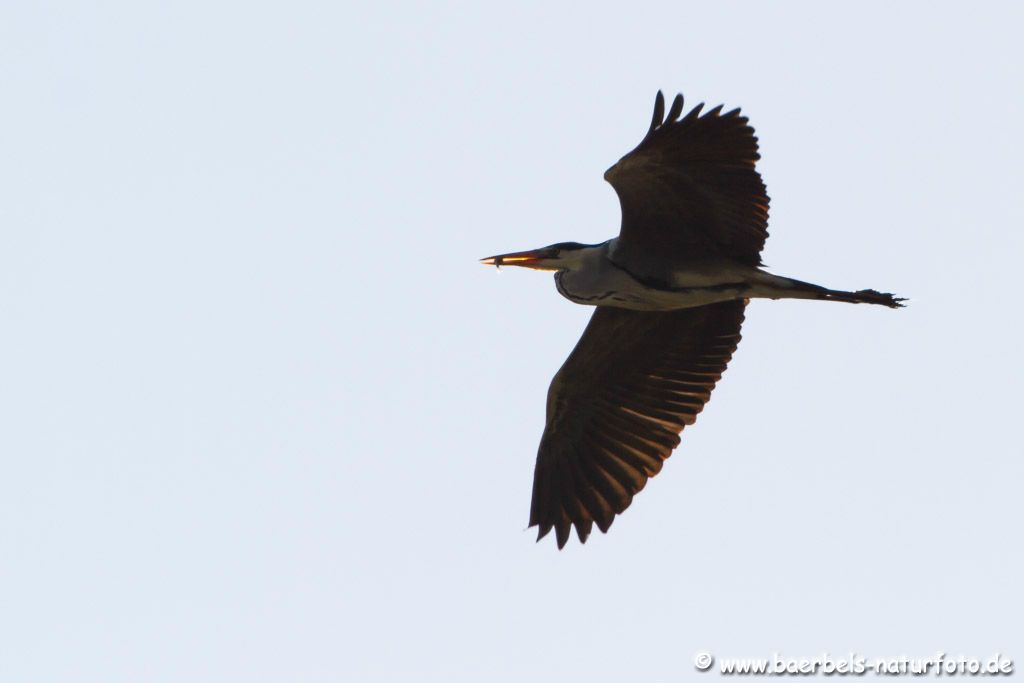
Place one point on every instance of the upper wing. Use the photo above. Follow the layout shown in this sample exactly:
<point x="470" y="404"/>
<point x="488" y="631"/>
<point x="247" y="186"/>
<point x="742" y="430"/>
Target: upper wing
<point x="617" y="405"/>
<point x="689" y="189"/>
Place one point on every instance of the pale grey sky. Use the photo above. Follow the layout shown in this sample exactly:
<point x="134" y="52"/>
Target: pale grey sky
<point x="266" y="419"/>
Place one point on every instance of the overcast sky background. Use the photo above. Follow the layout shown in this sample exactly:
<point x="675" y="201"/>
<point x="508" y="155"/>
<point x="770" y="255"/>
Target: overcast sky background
<point x="265" y="418"/>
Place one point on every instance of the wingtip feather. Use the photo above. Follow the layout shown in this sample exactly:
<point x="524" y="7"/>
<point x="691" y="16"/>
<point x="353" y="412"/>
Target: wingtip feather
<point x="659" y="112"/>
<point x="562" y="532"/>
<point x="676" y="109"/>
<point x="583" y="529"/>
<point x="695" y="112"/>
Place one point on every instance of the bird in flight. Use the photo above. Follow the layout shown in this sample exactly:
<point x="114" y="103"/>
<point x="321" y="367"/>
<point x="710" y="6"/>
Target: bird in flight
<point x="669" y="295"/>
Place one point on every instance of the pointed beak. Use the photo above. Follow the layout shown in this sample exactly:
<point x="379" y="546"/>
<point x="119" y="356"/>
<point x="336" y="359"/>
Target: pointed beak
<point x="534" y="258"/>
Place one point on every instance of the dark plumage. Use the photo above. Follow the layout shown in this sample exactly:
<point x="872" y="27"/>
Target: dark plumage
<point x="629" y="395"/>
<point x="670" y="293"/>
<point x="689" y="190"/>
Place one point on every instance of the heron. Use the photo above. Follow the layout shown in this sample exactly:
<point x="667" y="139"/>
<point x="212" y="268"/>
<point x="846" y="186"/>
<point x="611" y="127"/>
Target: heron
<point x="669" y="295"/>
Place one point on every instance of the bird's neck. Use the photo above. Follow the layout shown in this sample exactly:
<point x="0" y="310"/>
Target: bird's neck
<point x="588" y="259"/>
<point x="588" y="277"/>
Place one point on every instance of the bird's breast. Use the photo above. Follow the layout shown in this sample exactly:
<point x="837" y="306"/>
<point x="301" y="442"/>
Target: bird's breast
<point x="614" y="286"/>
<point x="589" y="291"/>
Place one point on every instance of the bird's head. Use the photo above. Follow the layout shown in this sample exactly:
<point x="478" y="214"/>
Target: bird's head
<point x="561" y="256"/>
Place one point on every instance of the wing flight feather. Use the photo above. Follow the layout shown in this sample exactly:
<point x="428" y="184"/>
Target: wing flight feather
<point x="690" y="191"/>
<point x="616" y="407"/>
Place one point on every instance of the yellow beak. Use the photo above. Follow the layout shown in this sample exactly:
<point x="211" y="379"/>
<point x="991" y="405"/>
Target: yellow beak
<point x="528" y="259"/>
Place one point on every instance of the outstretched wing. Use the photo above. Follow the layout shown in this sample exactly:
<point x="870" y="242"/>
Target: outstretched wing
<point x="690" y="191"/>
<point x="617" y="405"/>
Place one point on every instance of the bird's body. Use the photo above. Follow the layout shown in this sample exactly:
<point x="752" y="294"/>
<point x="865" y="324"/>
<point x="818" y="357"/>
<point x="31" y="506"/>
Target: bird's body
<point x="600" y="281"/>
<point x="670" y="293"/>
<point x="594" y="278"/>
